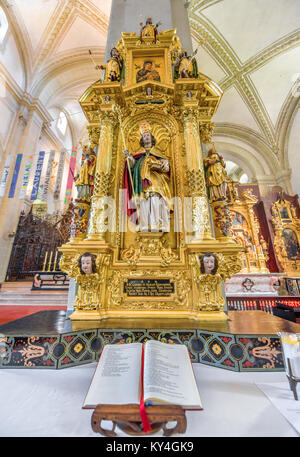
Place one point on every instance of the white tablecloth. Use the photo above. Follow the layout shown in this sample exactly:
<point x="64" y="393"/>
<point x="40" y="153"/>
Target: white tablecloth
<point x="47" y="403"/>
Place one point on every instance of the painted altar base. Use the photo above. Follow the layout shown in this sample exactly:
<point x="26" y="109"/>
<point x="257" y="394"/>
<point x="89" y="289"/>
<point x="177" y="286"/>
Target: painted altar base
<point x="247" y="341"/>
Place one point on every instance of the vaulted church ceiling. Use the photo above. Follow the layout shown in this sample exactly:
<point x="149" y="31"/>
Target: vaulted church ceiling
<point x="252" y="51"/>
<point x="54" y="37"/>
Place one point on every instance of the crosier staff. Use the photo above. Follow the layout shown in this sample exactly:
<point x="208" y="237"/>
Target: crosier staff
<point x="193" y="55"/>
<point x="117" y="110"/>
<point x="97" y="67"/>
<point x="92" y="59"/>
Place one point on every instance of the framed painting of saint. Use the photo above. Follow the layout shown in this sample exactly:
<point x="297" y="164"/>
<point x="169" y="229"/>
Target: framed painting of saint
<point x="291" y="243"/>
<point x="284" y="213"/>
<point x="148" y="68"/>
<point x="148" y="72"/>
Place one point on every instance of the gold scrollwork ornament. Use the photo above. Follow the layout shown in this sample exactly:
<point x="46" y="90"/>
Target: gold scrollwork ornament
<point x="210" y="293"/>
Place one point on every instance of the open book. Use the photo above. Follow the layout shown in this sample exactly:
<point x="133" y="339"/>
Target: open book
<point x="161" y="372"/>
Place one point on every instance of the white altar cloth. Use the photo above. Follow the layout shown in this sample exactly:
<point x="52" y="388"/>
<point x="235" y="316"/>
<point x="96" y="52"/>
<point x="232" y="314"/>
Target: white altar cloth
<point x="47" y="403"/>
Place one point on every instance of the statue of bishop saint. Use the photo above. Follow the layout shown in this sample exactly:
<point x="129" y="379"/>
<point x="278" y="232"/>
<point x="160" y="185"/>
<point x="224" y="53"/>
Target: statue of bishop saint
<point x="146" y="180"/>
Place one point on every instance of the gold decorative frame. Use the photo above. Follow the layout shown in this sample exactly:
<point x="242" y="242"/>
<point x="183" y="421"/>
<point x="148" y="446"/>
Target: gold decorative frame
<point x="284" y="217"/>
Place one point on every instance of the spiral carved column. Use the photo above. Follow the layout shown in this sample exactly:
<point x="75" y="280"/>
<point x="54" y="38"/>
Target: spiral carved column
<point x="98" y="216"/>
<point x="196" y="178"/>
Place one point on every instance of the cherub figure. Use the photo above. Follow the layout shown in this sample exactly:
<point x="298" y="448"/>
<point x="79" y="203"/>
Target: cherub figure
<point x="87" y="263"/>
<point x="208" y="263"/>
<point x="88" y="272"/>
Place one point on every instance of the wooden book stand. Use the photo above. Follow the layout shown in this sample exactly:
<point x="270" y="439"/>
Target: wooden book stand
<point x="128" y="419"/>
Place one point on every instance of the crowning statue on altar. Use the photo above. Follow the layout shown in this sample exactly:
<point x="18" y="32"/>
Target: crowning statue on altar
<point x="142" y="212"/>
<point x="149" y="30"/>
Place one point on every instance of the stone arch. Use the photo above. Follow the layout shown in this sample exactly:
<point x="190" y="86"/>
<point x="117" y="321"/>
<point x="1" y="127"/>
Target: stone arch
<point x="285" y="124"/>
<point x="248" y="149"/>
<point x="72" y="60"/>
<point x="21" y="43"/>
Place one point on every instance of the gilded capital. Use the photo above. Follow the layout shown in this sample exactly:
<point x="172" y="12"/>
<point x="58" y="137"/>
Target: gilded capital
<point x="206" y="131"/>
<point x="94" y="134"/>
<point x="190" y="115"/>
<point x="108" y="118"/>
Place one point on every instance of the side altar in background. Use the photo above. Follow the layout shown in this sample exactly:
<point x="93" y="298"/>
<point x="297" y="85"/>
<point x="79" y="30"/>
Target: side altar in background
<point x="269" y="230"/>
<point x="151" y="234"/>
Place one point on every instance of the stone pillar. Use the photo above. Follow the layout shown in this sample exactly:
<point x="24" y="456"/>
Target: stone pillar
<point x="284" y="180"/>
<point x="265" y="184"/>
<point x="98" y="223"/>
<point x="196" y="178"/>
<point x="181" y="22"/>
<point x="23" y="140"/>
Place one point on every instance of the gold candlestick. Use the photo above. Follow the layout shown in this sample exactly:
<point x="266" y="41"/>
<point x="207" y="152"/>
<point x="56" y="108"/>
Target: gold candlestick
<point x="45" y="261"/>
<point x="50" y="261"/>
<point x="55" y="259"/>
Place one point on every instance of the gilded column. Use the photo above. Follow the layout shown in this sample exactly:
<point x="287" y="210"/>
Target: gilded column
<point x="100" y="212"/>
<point x="195" y="177"/>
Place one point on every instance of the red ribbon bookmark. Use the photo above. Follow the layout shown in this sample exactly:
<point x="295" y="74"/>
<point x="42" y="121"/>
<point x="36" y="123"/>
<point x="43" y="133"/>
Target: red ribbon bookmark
<point x="143" y="413"/>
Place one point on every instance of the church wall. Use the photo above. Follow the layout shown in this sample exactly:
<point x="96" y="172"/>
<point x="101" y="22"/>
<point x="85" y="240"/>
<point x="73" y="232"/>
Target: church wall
<point x="46" y="145"/>
<point x="10" y="59"/>
<point x="8" y="110"/>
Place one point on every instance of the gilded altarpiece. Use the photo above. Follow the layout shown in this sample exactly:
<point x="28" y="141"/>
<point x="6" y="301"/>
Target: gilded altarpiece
<point x="287" y="236"/>
<point x="246" y="231"/>
<point x="140" y="272"/>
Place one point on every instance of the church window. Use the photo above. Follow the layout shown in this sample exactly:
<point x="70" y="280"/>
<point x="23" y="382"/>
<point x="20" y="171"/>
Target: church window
<point x="3" y="25"/>
<point x="62" y="123"/>
<point x="244" y="179"/>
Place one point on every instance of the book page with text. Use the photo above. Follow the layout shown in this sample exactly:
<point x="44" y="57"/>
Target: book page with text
<point x="169" y="376"/>
<point x="117" y="376"/>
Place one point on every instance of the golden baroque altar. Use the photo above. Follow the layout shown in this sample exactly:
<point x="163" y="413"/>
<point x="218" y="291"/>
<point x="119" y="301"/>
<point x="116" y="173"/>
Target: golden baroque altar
<point x="124" y="267"/>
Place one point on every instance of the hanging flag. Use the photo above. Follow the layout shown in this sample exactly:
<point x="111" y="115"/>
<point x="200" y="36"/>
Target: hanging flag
<point x="14" y="180"/>
<point x="26" y="177"/>
<point x="71" y="176"/>
<point x="37" y="176"/>
<point x="5" y="174"/>
<point x="48" y="176"/>
<point x="60" y="173"/>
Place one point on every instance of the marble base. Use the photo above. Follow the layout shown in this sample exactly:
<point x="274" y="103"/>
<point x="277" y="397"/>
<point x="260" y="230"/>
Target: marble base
<point x="253" y="284"/>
